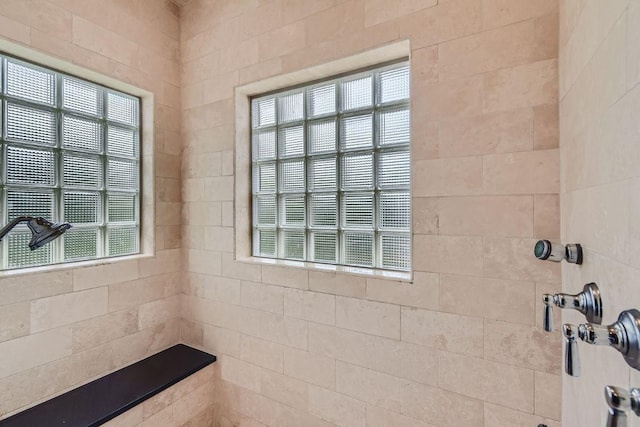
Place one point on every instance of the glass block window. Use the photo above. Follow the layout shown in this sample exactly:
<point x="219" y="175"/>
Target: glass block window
<point x="331" y="171"/>
<point x="69" y="152"/>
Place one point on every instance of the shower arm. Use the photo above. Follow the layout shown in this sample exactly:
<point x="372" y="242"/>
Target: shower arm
<point x="12" y="224"/>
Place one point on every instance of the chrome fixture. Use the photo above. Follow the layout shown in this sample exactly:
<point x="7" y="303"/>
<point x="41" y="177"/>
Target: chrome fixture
<point x="587" y="302"/>
<point x="620" y="402"/>
<point x="571" y="358"/>
<point x="42" y="231"/>
<point x="623" y="335"/>
<point x="545" y="250"/>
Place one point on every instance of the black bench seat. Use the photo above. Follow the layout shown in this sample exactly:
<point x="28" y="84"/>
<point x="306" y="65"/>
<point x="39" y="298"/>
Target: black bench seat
<point x="107" y="397"/>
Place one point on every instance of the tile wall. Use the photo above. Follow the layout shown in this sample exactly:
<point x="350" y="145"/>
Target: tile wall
<point x="64" y="327"/>
<point x="600" y="152"/>
<point x="462" y="344"/>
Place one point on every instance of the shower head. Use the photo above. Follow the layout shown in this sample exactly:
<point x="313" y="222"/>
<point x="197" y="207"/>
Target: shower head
<point x="42" y="231"/>
<point x="45" y="231"/>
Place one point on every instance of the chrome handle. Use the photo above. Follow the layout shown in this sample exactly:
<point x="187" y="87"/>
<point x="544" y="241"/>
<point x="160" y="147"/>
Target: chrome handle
<point x="620" y="401"/>
<point x="623" y="335"/>
<point x="547" y="320"/>
<point x="571" y="357"/>
<point x="587" y="302"/>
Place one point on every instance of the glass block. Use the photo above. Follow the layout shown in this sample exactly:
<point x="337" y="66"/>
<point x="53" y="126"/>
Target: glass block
<point x="122" y="141"/>
<point x="82" y="207"/>
<point x="357" y="132"/>
<point x="266" y="243"/>
<point x="291" y="141"/>
<point x="264" y="145"/>
<point x="394" y="169"/>
<point x="322" y="100"/>
<point x="30" y="82"/>
<point x="292" y="176"/>
<point x="123" y="108"/>
<point x="82" y="171"/>
<point x="28" y="203"/>
<point x="80" y="244"/>
<point x="20" y="255"/>
<point x="356" y="93"/>
<point x="263" y="112"/>
<point x="266" y="210"/>
<point x="395" y="210"/>
<point x="324" y="246"/>
<point x="324" y="210"/>
<point x="30" y="167"/>
<point x="122" y="174"/>
<point x="81" y="96"/>
<point x="393" y="85"/>
<point x="291" y="107"/>
<point x="322" y="136"/>
<point x="357" y="210"/>
<point x="357" y="171"/>
<point x="264" y="177"/>
<point x="293" y="244"/>
<point x="396" y="251"/>
<point x="358" y="249"/>
<point x="122" y="241"/>
<point x="394" y="127"/>
<point x="121" y="207"/>
<point x="292" y="210"/>
<point x="322" y="174"/>
<point x="81" y="134"/>
<point x="31" y="124"/>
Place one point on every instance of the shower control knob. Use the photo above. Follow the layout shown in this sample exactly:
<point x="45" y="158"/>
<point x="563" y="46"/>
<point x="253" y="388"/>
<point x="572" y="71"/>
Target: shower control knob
<point x="546" y="250"/>
<point x="571" y="358"/>
<point x="587" y="302"/>
<point x="621" y="401"/>
<point x="623" y="335"/>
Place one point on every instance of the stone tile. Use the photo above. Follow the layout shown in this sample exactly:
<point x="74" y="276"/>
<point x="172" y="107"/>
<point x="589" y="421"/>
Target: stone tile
<point x="443" y="331"/>
<point x="368" y="316"/>
<point x="488" y="381"/>
<point x="487" y="216"/>
<point x="535" y="172"/>
<point x="501" y="132"/>
<point x="521" y="86"/>
<point x="60" y="310"/>
<point x="336" y="408"/>
<point x="310" y="367"/>
<point x="312" y="306"/>
<point x="448" y="254"/>
<point x="507" y="300"/>
<point x="14" y="321"/>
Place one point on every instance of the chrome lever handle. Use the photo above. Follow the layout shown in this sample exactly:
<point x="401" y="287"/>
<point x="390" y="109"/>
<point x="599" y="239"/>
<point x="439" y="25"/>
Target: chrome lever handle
<point x="587" y="302"/>
<point x="571" y="357"/>
<point x="547" y="320"/>
<point x="623" y="335"/>
<point x="620" y="401"/>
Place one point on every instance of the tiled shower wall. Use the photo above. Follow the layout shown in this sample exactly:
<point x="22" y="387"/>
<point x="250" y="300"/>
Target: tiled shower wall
<point x="600" y="150"/>
<point x="62" y="328"/>
<point x="462" y="344"/>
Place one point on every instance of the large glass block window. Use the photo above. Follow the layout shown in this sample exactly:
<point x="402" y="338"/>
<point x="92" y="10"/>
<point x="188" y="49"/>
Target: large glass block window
<point x="69" y="152"/>
<point x="331" y="171"/>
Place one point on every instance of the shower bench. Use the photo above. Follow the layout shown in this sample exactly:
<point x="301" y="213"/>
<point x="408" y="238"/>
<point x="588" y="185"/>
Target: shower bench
<point x="107" y="397"/>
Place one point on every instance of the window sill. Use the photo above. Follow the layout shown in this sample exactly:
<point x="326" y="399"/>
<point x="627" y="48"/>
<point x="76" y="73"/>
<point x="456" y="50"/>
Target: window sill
<point x="70" y="265"/>
<point x="373" y="273"/>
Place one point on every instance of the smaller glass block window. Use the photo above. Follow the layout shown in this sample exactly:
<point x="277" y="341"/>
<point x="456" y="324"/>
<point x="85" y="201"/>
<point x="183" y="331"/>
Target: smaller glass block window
<point x="331" y="171"/>
<point x="69" y="152"/>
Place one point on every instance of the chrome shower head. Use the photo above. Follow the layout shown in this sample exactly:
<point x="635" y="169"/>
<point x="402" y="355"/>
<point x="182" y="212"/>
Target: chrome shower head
<point x="45" y="231"/>
<point x="42" y="231"/>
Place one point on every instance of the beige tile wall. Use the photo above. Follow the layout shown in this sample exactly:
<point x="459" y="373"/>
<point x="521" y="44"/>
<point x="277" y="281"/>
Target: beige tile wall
<point x="461" y="345"/>
<point x="600" y="154"/>
<point x="62" y="328"/>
